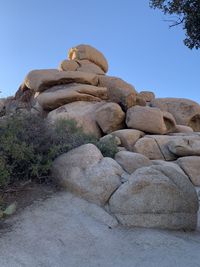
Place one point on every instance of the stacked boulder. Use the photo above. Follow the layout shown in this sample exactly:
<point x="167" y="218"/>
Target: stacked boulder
<point x="150" y="183"/>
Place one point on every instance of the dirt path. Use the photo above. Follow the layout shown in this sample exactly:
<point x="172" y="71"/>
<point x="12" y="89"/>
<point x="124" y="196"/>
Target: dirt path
<point x="64" y="231"/>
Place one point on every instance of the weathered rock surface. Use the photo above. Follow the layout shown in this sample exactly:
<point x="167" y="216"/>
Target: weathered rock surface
<point x="185" y="111"/>
<point x="147" y="95"/>
<point x="150" y="120"/>
<point x="130" y="161"/>
<point x="82" y="112"/>
<point x="40" y="80"/>
<point x="87" y="66"/>
<point x="90" y="53"/>
<point x="80" y="65"/>
<point x="128" y="137"/>
<point x="60" y="95"/>
<point x="191" y="166"/>
<point x="156" y="196"/>
<point x="183" y="129"/>
<point x="85" y="172"/>
<point x="119" y="91"/>
<point x="164" y="147"/>
<point x="185" y="146"/>
<point x="68" y="65"/>
<point x="149" y="148"/>
<point x="64" y="230"/>
<point x="110" y="117"/>
<point x="140" y="101"/>
<point x="169" y="164"/>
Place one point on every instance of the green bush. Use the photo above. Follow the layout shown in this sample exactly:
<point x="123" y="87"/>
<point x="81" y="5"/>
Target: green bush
<point x="107" y="147"/>
<point x="28" y="145"/>
<point x="4" y="172"/>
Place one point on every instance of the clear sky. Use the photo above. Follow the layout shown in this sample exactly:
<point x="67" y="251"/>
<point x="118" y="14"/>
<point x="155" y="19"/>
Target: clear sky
<point x="138" y="44"/>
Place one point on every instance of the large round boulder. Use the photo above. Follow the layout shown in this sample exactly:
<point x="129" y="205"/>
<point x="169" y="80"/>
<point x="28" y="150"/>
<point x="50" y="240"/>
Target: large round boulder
<point x="85" y="172"/>
<point x="156" y="196"/>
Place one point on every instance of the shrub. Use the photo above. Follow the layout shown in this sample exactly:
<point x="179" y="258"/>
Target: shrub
<point x="107" y="147"/>
<point x="4" y="172"/>
<point x="68" y="135"/>
<point x="28" y="145"/>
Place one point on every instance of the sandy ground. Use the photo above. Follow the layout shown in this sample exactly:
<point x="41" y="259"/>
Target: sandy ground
<point x="64" y="231"/>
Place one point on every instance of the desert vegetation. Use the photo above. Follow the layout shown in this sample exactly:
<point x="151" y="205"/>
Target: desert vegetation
<point x="29" y="144"/>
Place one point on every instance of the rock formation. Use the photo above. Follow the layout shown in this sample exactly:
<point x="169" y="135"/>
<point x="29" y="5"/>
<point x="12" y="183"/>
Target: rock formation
<point x="150" y="183"/>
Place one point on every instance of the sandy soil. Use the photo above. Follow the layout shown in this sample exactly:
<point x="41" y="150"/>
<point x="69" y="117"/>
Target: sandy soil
<point x="64" y="231"/>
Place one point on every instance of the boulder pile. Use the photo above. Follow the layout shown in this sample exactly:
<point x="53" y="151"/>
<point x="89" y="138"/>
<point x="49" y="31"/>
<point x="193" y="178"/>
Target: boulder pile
<point x="151" y="181"/>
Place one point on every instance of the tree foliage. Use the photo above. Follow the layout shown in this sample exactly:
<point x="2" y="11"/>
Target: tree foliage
<point x="186" y="13"/>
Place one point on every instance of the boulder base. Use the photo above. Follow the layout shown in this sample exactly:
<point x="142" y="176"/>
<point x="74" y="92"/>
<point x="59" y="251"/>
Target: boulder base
<point x="156" y="196"/>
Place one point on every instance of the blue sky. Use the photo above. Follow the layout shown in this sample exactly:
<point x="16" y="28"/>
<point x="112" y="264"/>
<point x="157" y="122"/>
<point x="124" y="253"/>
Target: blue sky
<point x="138" y="44"/>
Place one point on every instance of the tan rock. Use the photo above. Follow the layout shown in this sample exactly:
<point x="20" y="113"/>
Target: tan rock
<point x="185" y="146"/>
<point x="40" y="80"/>
<point x="82" y="112"/>
<point x="150" y="120"/>
<point x="128" y="137"/>
<point x="190" y="165"/>
<point x="148" y="147"/>
<point x="110" y="117"/>
<point x="121" y="148"/>
<point x="140" y="101"/>
<point x="147" y="95"/>
<point x="90" y="53"/>
<point x="87" y="66"/>
<point x="119" y="91"/>
<point x="68" y="65"/>
<point x="155" y="147"/>
<point x="156" y="196"/>
<point x="183" y="129"/>
<point x="60" y="95"/>
<point x="130" y="161"/>
<point x="171" y="164"/>
<point x="194" y="122"/>
<point x="185" y="111"/>
<point x="92" y="179"/>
